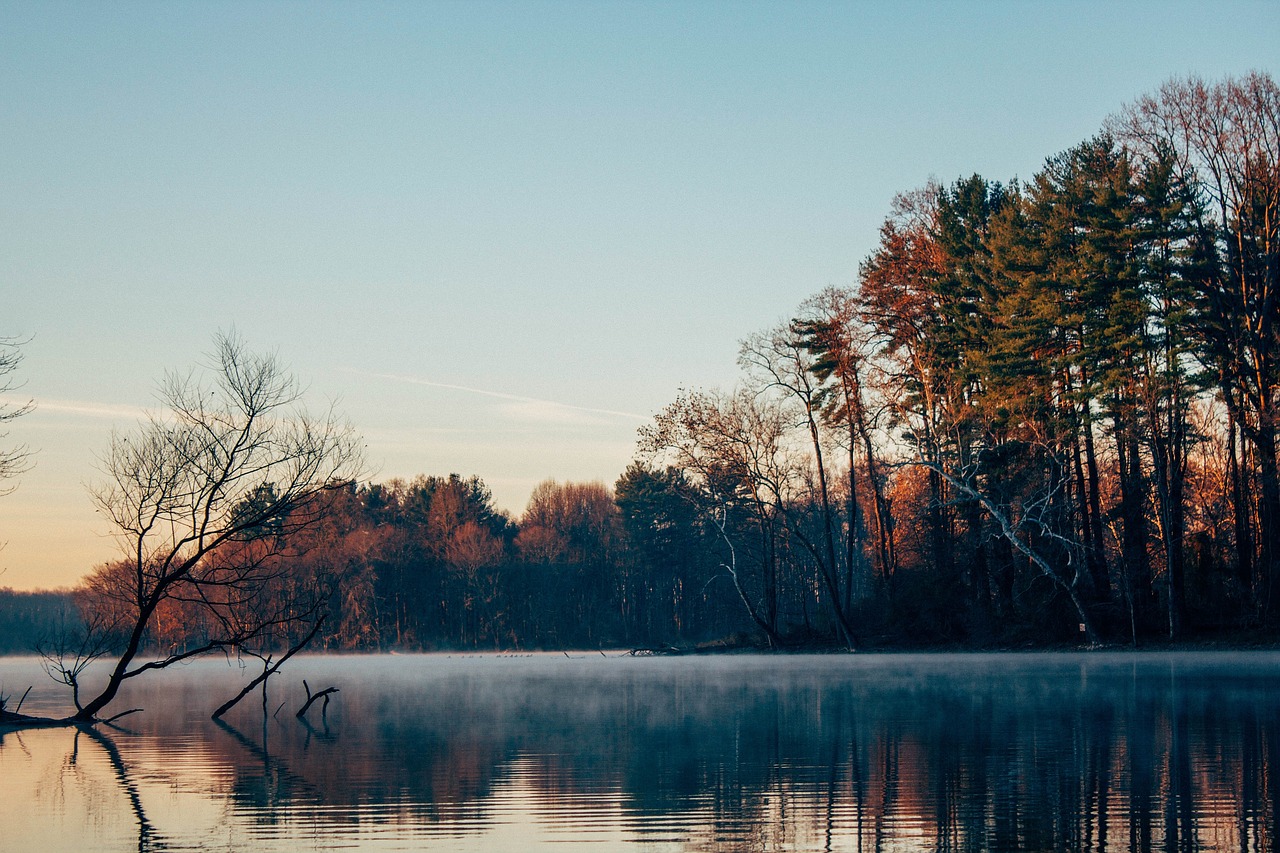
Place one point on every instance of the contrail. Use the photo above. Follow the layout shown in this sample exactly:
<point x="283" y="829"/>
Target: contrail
<point x="518" y="398"/>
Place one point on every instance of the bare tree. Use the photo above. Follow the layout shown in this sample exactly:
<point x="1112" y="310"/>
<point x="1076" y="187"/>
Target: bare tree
<point x="734" y="449"/>
<point x="13" y="460"/>
<point x="782" y="362"/>
<point x="206" y="497"/>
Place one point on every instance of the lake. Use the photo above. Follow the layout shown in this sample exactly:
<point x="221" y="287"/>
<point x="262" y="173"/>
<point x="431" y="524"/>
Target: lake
<point x="929" y="752"/>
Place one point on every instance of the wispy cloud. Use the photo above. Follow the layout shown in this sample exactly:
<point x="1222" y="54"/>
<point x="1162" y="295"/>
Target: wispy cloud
<point x="88" y="409"/>
<point x="523" y="407"/>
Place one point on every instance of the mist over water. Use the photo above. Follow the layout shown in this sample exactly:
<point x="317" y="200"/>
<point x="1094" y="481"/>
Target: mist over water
<point x="832" y="752"/>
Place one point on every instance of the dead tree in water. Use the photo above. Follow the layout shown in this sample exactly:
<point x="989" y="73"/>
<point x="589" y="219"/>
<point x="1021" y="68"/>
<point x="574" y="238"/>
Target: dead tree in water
<point x="206" y="497"/>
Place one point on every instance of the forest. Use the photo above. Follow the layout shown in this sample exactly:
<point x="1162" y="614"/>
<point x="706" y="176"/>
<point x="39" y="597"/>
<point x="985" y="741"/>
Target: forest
<point x="1046" y="412"/>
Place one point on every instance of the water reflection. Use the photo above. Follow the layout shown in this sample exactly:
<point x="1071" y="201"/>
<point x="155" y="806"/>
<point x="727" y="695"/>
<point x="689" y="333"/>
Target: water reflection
<point x="1012" y="752"/>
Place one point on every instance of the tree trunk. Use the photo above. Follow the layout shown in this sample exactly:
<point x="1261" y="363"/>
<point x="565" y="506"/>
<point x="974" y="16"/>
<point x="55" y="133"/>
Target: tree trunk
<point x="1268" y="518"/>
<point x="1133" y="544"/>
<point x="1093" y="504"/>
<point x="1239" y="504"/>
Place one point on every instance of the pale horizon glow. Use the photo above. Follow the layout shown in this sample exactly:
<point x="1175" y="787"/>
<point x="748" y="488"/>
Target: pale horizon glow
<point x="502" y="235"/>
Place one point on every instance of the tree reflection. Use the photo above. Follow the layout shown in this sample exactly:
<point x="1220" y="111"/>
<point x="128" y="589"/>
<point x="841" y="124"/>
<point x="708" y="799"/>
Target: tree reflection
<point x="1112" y="761"/>
<point x="148" y="838"/>
<point x="265" y="782"/>
<point x="1021" y="756"/>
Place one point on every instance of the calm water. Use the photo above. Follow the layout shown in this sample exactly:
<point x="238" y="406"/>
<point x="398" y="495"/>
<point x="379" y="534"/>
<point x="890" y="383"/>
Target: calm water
<point x="489" y="753"/>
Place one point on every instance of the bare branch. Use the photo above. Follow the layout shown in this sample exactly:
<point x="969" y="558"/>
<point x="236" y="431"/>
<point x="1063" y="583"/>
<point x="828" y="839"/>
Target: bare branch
<point x="312" y="697"/>
<point x="1012" y="532"/>
<point x="13" y="460"/>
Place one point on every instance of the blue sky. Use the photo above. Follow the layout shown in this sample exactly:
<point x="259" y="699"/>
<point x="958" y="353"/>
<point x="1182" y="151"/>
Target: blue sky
<point x="501" y="234"/>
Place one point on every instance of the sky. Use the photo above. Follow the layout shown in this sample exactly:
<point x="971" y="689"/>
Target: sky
<point x="500" y="235"/>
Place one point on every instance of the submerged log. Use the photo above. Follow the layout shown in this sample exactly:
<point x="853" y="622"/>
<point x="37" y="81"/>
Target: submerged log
<point x="11" y="720"/>
<point x="15" y="719"/>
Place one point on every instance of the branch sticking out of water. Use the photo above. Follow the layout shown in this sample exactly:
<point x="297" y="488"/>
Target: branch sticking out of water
<point x="311" y="698"/>
<point x="269" y="669"/>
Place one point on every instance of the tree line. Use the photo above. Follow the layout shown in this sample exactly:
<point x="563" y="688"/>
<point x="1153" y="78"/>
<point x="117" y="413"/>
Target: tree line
<point x="1045" y="412"/>
<point x="1046" y="409"/>
<point x="431" y="563"/>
